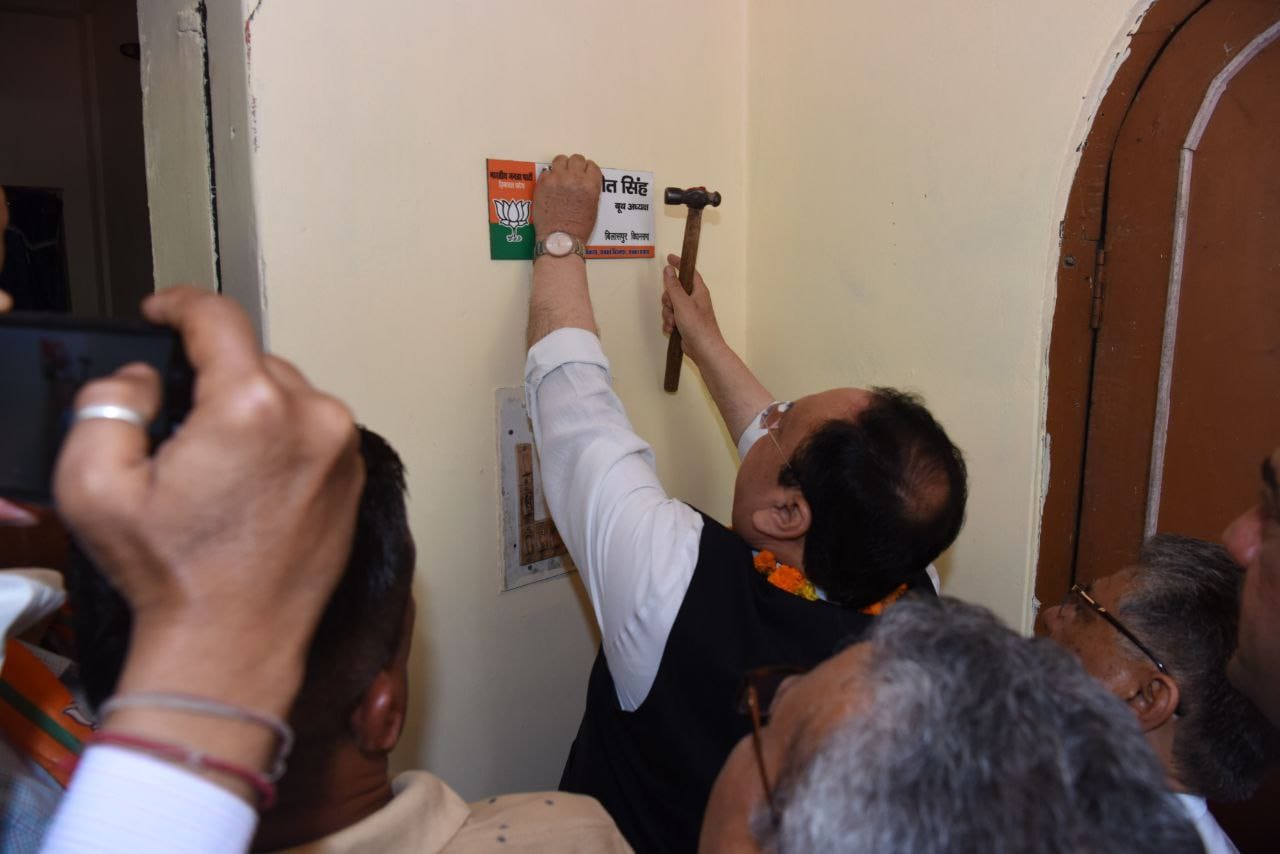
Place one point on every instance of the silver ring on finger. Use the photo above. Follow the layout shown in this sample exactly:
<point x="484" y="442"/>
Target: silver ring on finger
<point x="111" y="412"/>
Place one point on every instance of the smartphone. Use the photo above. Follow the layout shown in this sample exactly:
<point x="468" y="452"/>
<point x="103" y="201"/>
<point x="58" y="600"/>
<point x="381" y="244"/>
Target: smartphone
<point x="45" y="359"/>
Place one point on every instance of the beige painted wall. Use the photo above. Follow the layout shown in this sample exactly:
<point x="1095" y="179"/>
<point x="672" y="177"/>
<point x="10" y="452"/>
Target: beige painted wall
<point x="894" y="175"/>
<point x="370" y="132"/>
<point x="908" y="165"/>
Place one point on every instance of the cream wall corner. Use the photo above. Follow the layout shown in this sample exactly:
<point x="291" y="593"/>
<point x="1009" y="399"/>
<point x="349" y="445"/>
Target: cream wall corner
<point x="369" y="128"/>
<point x="908" y="166"/>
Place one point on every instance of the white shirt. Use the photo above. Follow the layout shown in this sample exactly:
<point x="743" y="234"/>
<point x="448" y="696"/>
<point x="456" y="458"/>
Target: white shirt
<point x="635" y="546"/>
<point x="1211" y="833"/>
<point x="128" y="802"/>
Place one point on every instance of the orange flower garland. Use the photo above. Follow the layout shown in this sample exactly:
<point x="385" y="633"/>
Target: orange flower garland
<point x="795" y="582"/>
<point x="785" y="577"/>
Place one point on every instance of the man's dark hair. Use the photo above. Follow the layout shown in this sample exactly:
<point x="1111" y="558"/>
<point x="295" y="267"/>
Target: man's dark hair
<point x="887" y="492"/>
<point x="356" y="637"/>
<point x="1185" y="605"/>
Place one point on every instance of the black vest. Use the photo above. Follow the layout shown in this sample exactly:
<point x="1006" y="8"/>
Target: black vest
<point x="653" y="768"/>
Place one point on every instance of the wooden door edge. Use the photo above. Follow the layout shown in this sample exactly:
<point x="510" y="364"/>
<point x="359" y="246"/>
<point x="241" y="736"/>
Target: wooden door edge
<point x="1079" y="283"/>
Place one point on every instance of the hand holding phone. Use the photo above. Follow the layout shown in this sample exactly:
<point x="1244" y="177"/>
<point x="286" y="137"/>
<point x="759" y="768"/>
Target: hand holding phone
<point x="45" y="359"/>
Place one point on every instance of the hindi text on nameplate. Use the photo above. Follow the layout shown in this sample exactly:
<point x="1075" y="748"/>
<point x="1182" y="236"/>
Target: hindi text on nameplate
<point x="624" y="225"/>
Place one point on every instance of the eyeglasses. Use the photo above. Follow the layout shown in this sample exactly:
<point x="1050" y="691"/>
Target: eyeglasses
<point x="771" y="420"/>
<point x="759" y="687"/>
<point x="1102" y="612"/>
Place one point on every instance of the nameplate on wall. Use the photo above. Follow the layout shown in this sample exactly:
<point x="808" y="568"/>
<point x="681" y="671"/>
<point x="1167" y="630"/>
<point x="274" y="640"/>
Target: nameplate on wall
<point x="624" y="222"/>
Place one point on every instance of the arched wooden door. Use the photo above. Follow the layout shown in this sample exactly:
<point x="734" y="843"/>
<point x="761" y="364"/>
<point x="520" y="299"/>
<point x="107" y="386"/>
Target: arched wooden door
<point x="1186" y="377"/>
<point x="1165" y="360"/>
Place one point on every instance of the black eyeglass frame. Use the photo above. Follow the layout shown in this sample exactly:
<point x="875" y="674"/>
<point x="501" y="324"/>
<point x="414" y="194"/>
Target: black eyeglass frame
<point x="755" y="699"/>
<point x="1101" y="611"/>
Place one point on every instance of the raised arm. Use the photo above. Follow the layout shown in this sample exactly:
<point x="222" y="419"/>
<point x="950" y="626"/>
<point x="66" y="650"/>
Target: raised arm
<point x="634" y="545"/>
<point x="738" y="394"/>
<point x="566" y="200"/>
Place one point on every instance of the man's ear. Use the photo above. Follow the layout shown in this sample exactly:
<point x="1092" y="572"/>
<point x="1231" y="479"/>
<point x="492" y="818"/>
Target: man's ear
<point x="1155" y="701"/>
<point x="379" y="717"/>
<point x="787" y="516"/>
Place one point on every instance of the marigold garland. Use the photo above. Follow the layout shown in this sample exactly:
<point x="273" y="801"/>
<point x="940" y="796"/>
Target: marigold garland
<point x="795" y="582"/>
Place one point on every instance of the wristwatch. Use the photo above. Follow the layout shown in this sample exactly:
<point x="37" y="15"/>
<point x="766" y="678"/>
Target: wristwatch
<point x="558" y="244"/>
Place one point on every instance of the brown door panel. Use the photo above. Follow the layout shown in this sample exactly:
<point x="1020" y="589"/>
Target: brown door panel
<point x="1225" y="298"/>
<point x="1220" y="413"/>
<point x="1225" y="403"/>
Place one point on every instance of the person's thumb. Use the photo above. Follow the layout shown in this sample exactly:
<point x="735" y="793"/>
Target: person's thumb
<point x="675" y="291"/>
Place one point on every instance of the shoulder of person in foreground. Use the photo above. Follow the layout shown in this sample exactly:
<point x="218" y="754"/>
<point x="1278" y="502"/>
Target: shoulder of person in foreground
<point x="539" y="821"/>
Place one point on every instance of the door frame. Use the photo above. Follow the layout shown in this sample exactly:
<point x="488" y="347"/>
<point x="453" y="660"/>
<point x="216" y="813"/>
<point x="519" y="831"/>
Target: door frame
<point x="1079" y="299"/>
<point x="201" y="131"/>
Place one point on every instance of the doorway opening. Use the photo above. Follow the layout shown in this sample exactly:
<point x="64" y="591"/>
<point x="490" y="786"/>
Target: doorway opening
<point x="72" y="158"/>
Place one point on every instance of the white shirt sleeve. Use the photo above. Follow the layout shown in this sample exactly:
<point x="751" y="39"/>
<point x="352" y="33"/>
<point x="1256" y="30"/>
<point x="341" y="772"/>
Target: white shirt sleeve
<point x="635" y="546"/>
<point x="128" y="802"/>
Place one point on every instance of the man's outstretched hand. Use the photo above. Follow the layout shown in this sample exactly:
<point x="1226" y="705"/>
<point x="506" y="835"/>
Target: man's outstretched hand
<point x="738" y="394"/>
<point x="692" y="314"/>
<point x="567" y="197"/>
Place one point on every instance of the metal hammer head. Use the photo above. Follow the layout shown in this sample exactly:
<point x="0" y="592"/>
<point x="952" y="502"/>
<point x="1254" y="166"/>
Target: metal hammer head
<point x="694" y="197"/>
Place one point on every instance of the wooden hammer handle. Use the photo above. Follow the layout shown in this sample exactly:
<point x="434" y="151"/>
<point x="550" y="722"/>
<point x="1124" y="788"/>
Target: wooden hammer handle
<point x="688" y="261"/>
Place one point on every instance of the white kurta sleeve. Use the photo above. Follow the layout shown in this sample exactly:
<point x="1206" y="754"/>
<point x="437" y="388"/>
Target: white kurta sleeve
<point x="635" y="546"/>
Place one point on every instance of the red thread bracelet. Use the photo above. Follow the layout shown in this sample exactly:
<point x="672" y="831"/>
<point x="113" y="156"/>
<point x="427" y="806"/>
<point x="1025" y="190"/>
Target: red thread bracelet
<point x="193" y="759"/>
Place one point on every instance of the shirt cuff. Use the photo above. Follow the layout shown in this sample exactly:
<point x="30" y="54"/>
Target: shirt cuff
<point x="564" y="346"/>
<point x="751" y="435"/>
<point x="125" y="801"/>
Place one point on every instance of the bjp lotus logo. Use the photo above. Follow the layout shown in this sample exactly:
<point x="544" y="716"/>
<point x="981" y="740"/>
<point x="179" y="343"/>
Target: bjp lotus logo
<point x="513" y="213"/>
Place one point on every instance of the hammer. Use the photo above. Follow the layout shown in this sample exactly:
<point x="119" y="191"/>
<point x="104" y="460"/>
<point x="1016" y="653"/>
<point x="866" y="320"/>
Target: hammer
<point x="694" y="198"/>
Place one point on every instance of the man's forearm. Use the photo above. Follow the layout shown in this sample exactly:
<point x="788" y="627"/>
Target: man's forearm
<point x="736" y="391"/>
<point x="738" y="394"/>
<point x="565" y="200"/>
<point x="560" y="297"/>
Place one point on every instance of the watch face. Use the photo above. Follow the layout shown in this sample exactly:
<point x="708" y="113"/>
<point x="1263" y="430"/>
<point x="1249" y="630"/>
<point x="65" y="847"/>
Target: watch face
<point x="559" y="244"/>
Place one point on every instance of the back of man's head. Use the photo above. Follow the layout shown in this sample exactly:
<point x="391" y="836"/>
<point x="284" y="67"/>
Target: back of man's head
<point x="887" y="492"/>
<point x="1184" y="603"/>
<point x="362" y="625"/>
<point x="356" y="636"/>
<point x="976" y="739"/>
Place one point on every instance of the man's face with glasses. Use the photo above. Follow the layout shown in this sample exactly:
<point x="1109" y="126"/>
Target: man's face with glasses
<point x="1088" y="624"/>
<point x="1074" y="624"/>
<point x="793" y="714"/>
<point x="1254" y="541"/>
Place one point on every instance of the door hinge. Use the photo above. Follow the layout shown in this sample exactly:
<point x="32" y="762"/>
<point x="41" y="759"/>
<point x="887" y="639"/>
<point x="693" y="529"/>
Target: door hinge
<point x="1099" y="281"/>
